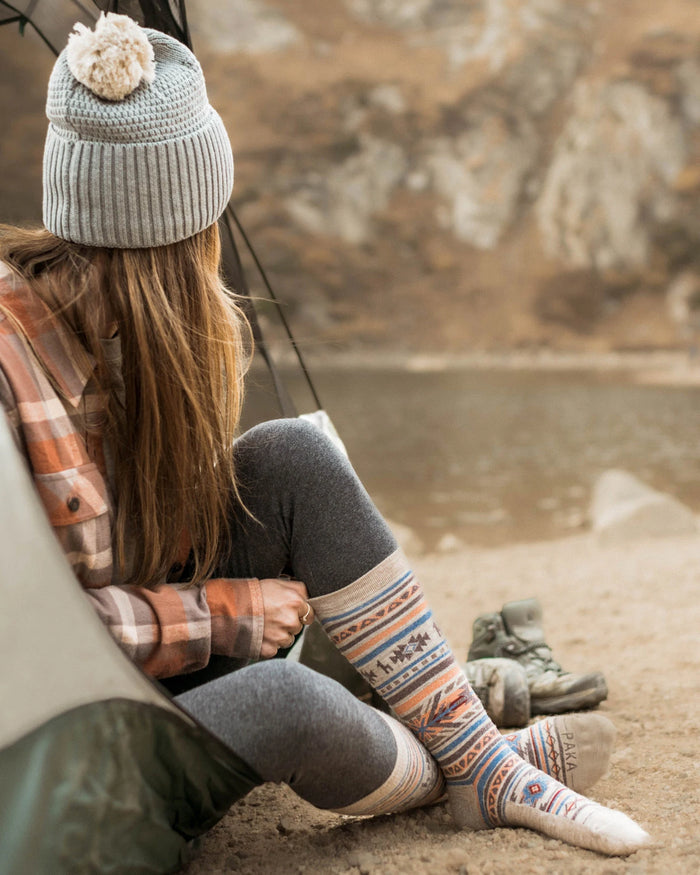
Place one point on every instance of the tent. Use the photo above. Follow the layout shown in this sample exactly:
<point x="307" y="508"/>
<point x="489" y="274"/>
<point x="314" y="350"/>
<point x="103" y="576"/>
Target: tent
<point x="99" y="770"/>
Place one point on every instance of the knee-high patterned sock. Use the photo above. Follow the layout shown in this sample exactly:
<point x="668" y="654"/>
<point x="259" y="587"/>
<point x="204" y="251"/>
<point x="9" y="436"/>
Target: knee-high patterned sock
<point x="384" y="626"/>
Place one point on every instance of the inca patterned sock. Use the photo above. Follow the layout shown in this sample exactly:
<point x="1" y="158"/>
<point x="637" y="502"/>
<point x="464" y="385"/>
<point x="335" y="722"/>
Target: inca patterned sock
<point x="573" y="748"/>
<point x="416" y="779"/>
<point x="384" y="626"/>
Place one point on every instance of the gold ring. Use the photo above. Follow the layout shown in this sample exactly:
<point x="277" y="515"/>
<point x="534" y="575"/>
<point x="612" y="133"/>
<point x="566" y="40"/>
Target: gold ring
<point x="306" y="615"/>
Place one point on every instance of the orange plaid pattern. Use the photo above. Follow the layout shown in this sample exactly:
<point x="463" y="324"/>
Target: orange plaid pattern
<point x="45" y="391"/>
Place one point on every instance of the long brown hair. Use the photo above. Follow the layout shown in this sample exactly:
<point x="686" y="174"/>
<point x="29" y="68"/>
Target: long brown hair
<point x="185" y="349"/>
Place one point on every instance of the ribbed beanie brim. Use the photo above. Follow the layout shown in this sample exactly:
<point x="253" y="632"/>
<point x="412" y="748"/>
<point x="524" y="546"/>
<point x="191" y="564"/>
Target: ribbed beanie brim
<point x="149" y="170"/>
<point x="131" y="196"/>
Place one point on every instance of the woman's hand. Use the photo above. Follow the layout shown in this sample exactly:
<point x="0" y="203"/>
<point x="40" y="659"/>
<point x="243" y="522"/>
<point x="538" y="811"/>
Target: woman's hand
<point x="287" y="611"/>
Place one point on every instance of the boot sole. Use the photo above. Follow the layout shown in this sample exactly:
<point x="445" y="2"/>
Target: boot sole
<point x="581" y="700"/>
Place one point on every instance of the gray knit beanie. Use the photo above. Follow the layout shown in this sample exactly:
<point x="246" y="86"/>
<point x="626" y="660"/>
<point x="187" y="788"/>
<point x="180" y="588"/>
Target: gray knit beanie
<point x="135" y="156"/>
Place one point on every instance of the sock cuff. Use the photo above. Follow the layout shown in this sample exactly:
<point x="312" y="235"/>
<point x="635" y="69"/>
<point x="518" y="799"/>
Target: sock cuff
<point x="415" y="780"/>
<point x="365" y="589"/>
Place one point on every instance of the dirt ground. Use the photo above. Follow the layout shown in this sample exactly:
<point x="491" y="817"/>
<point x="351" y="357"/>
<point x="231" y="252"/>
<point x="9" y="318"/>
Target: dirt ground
<point x="632" y="611"/>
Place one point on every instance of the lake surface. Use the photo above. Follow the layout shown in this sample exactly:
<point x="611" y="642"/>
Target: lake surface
<point x="499" y="456"/>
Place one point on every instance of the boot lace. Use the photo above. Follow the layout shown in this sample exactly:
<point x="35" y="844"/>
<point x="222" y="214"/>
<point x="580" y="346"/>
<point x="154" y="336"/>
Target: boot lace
<point x="541" y="653"/>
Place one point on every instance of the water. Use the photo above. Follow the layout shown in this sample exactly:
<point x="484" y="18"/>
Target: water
<point x="501" y="456"/>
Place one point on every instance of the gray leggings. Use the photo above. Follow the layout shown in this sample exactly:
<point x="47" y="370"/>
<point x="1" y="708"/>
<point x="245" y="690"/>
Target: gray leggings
<point x="314" y="521"/>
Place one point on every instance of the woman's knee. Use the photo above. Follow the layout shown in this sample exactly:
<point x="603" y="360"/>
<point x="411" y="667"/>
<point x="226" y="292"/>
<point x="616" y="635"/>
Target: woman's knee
<point x="275" y="678"/>
<point x="280" y="686"/>
<point x="290" y="446"/>
<point x="264" y="699"/>
<point x="298" y="701"/>
<point x="284" y="435"/>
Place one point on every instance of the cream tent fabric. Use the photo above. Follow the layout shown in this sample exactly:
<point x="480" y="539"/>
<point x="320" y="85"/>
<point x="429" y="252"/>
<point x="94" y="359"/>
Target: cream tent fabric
<point x="99" y="771"/>
<point x="43" y="610"/>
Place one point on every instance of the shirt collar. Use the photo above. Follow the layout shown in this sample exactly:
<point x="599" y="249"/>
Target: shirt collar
<point x="62" y="356"/>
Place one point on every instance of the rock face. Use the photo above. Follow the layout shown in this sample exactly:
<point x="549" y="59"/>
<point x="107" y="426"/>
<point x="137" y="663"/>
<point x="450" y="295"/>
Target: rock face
<point x="343" y="201"/>
<point x="441" y="175"/>
<point x="480" y="173"/>
<point x="486" y="168"/>
<point x="624" y="508"/>
<point x="241" y="26"/>
<point x="611" y="181"/>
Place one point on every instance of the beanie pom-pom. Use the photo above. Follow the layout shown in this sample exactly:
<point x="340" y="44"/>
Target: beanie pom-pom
<point x="113" y="59"/>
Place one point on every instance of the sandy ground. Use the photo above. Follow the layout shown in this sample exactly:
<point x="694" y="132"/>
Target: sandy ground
<point x="632" y="611"/>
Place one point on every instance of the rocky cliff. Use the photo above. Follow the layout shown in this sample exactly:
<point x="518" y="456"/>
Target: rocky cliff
<point x="466" y="175"/>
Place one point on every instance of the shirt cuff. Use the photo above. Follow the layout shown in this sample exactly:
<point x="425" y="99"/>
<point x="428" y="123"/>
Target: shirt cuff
<point x="237" y="617"/>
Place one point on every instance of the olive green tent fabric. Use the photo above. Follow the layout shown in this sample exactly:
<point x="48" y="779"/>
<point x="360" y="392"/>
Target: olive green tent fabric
<point x="113" y="787"/>
<point x="99" y="770"/>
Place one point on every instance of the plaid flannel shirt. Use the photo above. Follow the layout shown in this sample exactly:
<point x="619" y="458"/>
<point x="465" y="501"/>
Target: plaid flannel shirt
<point x="45" y="390"/>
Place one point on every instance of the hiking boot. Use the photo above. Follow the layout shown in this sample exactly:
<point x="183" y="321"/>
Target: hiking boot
<point x="516" y="633"/>
<point x="502" y="686"/>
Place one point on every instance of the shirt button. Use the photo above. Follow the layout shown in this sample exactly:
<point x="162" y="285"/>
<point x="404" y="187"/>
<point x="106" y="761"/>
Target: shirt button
<point x="73" y="504"/>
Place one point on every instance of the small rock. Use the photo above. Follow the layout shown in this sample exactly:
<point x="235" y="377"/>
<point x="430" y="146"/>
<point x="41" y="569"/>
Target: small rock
<point x="624" y="508"/>
<point x="449" y="543"/>
<point x="683" y="302"/>
<point x="285" y="826"/>
<point x="363" y="860"/>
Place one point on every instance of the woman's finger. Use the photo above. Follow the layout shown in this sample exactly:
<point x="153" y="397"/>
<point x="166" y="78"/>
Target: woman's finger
<point x="297" y="586"/>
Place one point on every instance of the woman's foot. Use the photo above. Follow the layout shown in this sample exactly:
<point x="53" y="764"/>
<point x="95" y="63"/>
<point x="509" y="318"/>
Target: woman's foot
<point x="574" y="749"/>
<point x="496" y="788"/>
<point x="384" y="626"/>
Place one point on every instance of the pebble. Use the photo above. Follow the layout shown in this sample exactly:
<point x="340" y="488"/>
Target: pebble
<point x="285" y="826"/>
<point x="363" y="860"/>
